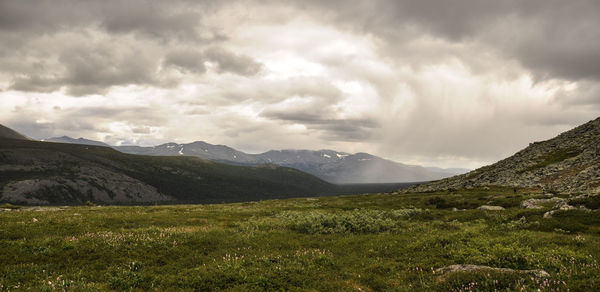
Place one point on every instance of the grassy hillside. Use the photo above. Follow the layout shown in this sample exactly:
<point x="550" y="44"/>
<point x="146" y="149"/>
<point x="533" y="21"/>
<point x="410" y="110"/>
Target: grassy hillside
<point x="76" y="168"/>
<point x="355" y="243"/>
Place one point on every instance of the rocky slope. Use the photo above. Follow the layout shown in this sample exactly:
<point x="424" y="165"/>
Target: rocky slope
<point x="568" y="163"/>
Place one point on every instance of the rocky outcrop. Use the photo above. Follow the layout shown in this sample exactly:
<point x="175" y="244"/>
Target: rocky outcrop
<point x="58" y="177"/>
<point x="96" y="184"/>
<point x="568" y="163"/>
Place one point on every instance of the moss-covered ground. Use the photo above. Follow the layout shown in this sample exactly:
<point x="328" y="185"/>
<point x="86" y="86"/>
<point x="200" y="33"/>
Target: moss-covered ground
<point x="383" y="242"/>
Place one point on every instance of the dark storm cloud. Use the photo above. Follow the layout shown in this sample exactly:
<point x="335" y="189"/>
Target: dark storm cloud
<point x="351" y="129"/>
<point x="553" y="38"/>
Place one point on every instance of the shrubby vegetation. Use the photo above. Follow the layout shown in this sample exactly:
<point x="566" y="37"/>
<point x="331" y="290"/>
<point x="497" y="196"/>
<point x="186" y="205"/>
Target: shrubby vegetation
<point x="356" y="221"/>
<point x="369" y="242"/>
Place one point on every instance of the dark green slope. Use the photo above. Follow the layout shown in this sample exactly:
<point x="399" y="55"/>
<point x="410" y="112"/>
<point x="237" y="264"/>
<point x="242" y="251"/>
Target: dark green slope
<point x="7" y="133"/>
<point x="55" y="173"/>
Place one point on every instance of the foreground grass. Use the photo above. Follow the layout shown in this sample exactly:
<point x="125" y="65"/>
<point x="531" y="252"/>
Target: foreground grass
<point x="380" y="242"/>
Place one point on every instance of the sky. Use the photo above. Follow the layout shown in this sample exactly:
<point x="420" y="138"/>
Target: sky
<point x="454" y="83"/>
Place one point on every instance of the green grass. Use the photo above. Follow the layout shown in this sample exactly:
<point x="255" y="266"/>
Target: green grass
<point x="385" y="242"/>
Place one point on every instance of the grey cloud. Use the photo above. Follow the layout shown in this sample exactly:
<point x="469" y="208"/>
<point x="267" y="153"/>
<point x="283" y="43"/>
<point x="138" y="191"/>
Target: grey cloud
<point x="189" y="60"/>
<point x="141" y="130"/>
<point x="272" y="92"/>
<point x="336" y="129"/>
<point x="553" y="38"/>
<point x="140" y="116"/>
<point x="192" y="60"/>
<point x="92" y="69"/>
<point x="87" y="47"/>
<point x="178" y="19"/>
<point x="35" y="83"/>
<point x="150" y="19"/>
<point x="586" y="95"/>
<point x="230" y="62"/>
<point x="87" y="121"/>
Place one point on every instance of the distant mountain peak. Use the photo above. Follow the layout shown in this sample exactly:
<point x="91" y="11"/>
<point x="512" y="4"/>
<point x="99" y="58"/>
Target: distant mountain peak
<point x="330" y="165"/>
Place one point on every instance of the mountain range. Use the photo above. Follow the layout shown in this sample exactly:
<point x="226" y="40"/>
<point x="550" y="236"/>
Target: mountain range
<point x="34" y="172"/>
<point x="333" y="166"/>
<point x="42" y="173"/>
<point x="568" y="163"/>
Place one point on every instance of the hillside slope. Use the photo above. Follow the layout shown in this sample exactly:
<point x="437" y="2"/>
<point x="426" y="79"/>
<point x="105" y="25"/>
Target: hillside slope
<point x="69" y="140"/>
<point x="568" y="163"/>
<point x="8" y="133"/>
<point x="34" y="172"/>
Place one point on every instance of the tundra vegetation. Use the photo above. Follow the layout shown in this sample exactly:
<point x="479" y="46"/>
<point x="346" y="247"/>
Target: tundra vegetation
<point x="380" y="242"/>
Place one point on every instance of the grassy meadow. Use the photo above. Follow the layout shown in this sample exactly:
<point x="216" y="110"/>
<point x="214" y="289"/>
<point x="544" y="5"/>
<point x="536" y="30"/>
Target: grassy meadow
<point x="383" y="242"/>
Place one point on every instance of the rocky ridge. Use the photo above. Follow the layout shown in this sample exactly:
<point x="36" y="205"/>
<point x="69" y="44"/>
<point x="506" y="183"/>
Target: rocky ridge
<point x="568" y="163"/>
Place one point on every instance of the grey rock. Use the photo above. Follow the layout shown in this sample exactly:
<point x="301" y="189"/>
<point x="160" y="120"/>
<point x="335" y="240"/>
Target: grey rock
<point x="491" y="208"/>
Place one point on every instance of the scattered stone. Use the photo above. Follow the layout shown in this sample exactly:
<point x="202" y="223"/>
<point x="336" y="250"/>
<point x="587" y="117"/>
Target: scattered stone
<point x="5" y="210"/>
<point x="34" y="220"/>
<point x="563" y="206"/>
<point x="48" y="209"/>
<point x="533" y="203"/>
<point x="469" y="268"/>
<point x="491" y="208"/>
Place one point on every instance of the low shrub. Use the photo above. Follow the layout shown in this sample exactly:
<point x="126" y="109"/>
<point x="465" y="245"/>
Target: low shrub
<point x="355" y="221"/>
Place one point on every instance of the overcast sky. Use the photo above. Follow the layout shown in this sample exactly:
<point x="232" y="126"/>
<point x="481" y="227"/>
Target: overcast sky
<point x="452" y="83"/>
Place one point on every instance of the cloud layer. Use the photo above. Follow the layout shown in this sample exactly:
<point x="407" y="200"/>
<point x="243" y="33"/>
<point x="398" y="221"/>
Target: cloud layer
<point x="450" y="83"/>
